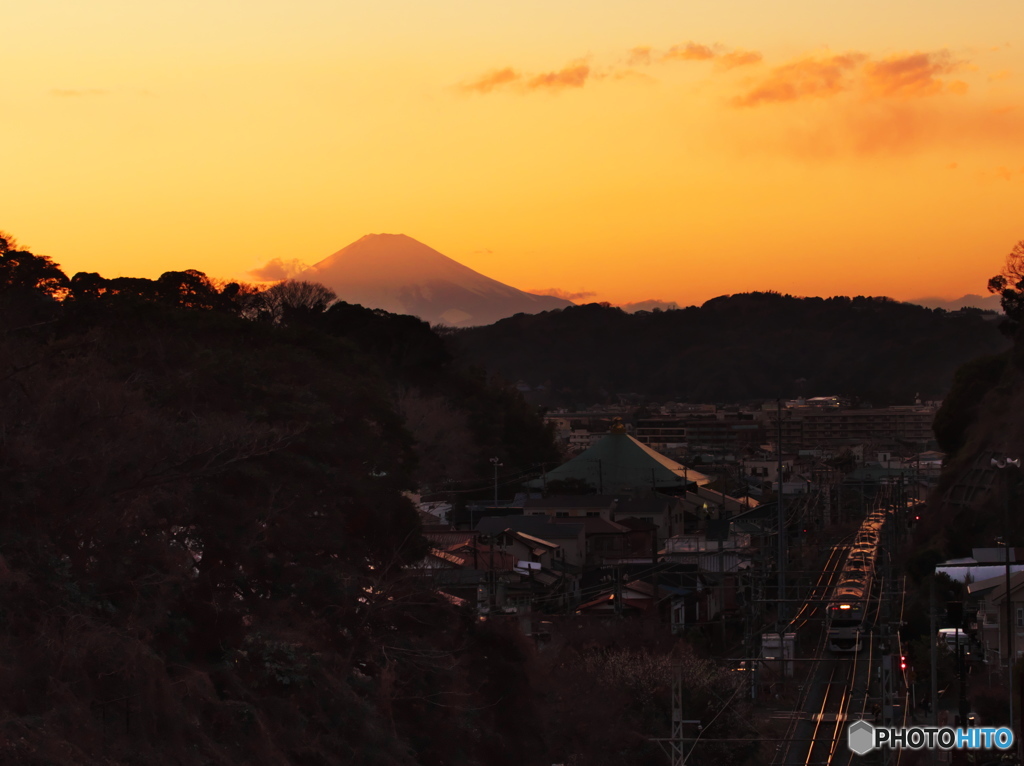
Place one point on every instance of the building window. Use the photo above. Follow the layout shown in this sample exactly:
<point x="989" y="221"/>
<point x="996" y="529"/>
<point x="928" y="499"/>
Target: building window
<point x="1020" y="617"/>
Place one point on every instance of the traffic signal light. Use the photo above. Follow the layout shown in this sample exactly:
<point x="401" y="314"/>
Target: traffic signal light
<point x="903" y="662"/>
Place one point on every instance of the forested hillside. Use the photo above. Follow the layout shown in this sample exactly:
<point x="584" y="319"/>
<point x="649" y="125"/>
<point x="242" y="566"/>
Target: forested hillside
<point x="982" y="419"/>
<point x="739" y="347"/>
<point x="203" y="536"/>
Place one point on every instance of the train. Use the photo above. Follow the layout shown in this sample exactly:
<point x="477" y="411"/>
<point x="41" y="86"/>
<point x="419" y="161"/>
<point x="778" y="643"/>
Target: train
<point x="851" y="597"/>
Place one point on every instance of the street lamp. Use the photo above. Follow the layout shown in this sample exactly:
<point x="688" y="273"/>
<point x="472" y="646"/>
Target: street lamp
<point x="497" y="464"/>
<point x="1010" y="626"/>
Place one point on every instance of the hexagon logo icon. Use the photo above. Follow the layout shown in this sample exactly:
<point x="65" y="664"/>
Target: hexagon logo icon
<point x="861" y="737"/>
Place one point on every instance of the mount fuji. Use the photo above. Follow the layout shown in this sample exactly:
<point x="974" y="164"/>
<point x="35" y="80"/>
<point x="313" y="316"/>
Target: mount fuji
<point x="401" y="275"/>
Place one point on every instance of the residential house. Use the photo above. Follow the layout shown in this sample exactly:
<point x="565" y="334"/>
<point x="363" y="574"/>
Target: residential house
<point x="674" y="598"/>
<point x="604" y="540"/>
<point x="708" y="504"/>
<point x="992" y="629"/>
<point x="720" y="548"/>
<point x="569" y="536"/>
<point x="489" y="573"/>
<point x="528" y="548"/>
<point x="667" y="513"/>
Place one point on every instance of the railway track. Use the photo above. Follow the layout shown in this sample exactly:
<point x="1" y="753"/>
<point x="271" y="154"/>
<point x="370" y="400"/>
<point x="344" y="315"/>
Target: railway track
<point x="838" y="686"/>
<point x="811" y="608"/>
<point x="838" y="694"/>
<point x="846" y="700"/>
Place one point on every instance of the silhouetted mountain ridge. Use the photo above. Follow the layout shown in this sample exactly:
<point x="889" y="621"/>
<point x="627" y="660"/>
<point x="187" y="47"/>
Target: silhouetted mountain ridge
<point x="737" y="347"/>
<point x="971" y="300"/>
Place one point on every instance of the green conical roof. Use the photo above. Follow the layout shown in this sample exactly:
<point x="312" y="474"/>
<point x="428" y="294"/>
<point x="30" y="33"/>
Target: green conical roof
<point x="619" y="463"/>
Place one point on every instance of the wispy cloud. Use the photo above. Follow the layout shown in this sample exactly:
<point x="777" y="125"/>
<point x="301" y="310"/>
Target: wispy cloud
<point x="493" y="80"/>
<point x="724" y="61"/>
<point x="688" y="52"/>
<point x="557" y="292"/>
<point x="900" y="77"/>
<point x="811" y="77"/>
<point x="852" y="103"/>
<point x="639" y="56"/>
<point x="572" y="76"/>
<point x="579" y="72"/>
<point x="911" y="75"/>
<point x="826" y="104"/>
<point x="851" y="124"/>
<point x="738" y="58"/>
<point x="278" y="269"/>
<point x="814" y="76"/>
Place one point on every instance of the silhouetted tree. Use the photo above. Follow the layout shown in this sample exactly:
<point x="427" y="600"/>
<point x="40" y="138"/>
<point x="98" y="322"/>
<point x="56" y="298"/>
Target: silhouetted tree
<point x="241" y="299"/>
<point x="1009" y="285"/>
<point x="20" y="270"/>
<point x="296" y="301"/>
<point x="189" y="289"/>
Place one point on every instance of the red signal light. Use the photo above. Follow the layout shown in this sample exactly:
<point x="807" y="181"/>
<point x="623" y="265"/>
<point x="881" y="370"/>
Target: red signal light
<point x="903" y="662"/>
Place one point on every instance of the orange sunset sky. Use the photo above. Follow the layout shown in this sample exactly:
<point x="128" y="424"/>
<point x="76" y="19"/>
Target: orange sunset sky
<point x="617" y="150"/>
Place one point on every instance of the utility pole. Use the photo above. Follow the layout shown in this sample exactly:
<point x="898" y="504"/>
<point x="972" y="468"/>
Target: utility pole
<point x="890" y="642"/>
<point x="839" y="500"/>
<point x="1010" y="624"/>
<point x="900" y="509"/>
<point x="934" y="700"/>
<point x="497" y="464"/>
<point x="617" y="592"/>
<point x="780" y="614"/>
<point x="492" y="596"/>
<point x="961" y="668"/>
<point x="676" y="742"/>
<point x="654" y="578"/>
<point x="863" y="490"/>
